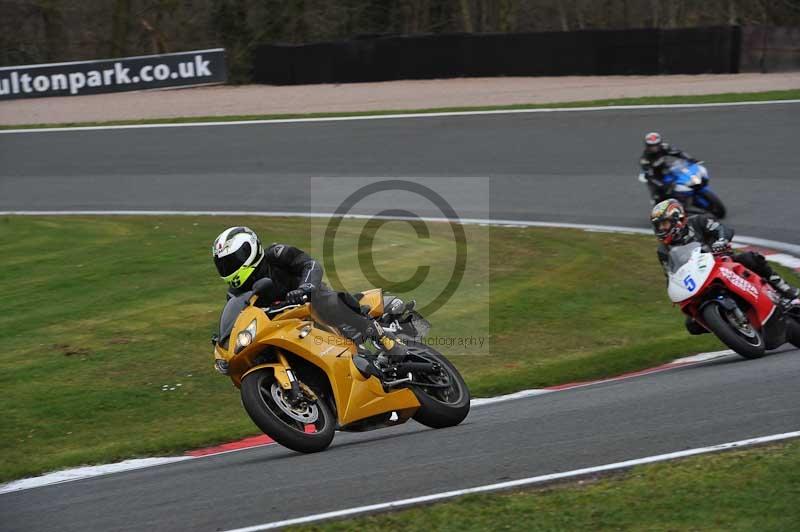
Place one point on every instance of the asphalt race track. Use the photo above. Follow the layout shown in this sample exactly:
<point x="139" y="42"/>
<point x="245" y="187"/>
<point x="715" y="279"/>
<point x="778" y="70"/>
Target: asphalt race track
<point x="685" y="408"/>
<point x="568" y="167"/>
<point x="575" y="167"/>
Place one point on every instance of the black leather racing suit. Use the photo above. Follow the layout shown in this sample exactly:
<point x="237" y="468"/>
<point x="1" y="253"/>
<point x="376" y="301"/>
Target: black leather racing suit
<point x="287" y="266"/>
<point x="706" y="230"/>
<point x="653" y="166"/>
<point x="290" y="267"/>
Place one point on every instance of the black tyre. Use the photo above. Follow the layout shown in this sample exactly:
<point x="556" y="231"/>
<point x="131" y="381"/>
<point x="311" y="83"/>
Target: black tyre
<point x="715" y="205"/>
<point x="741" y="337"/>
<point x="793" y="331"/>
<point x="265" y="403"/>
<point x="440" y="406"/>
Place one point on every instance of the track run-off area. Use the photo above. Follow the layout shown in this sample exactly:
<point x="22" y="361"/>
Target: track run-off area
<point x="575" y="167"/>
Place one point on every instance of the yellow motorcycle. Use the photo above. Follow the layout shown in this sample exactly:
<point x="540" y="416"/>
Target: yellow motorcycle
<point x="301" y="380"/>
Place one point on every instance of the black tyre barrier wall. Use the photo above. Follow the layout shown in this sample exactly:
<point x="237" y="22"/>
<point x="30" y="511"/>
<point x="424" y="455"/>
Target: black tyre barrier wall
<point x="600" y="52"/>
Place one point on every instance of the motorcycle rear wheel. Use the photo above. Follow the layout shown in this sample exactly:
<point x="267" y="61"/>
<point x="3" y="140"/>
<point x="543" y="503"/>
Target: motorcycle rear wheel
<point x="440" y="407"/>
<point x="715" y="205"/>
<point x="747" y="342"/>
<point x="274" y="416"/>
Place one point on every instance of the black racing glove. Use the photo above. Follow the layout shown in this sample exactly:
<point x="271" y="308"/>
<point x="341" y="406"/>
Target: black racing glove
<point x="721" y="246"/>
<point x="298" y="295"/>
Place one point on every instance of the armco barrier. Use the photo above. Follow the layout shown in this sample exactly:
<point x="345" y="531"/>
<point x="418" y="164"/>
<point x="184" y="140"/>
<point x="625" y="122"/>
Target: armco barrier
<point x="595" y="52"/>
<point x="182" y="69"/>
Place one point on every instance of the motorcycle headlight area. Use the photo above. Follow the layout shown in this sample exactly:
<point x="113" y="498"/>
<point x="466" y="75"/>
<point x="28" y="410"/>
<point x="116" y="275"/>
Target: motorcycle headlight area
<point x="221" y="366"/>
<point x="245" y="337"/>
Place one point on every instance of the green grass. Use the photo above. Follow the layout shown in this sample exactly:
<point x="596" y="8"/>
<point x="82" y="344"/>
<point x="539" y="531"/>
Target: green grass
<point x="101" y="312"/>
<point x="750" y="490"/>
<point x="727" y="97"/>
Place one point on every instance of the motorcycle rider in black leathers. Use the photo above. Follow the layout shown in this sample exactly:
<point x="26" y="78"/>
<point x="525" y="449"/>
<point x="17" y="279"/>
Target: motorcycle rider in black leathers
<point x="673" y="228"/>
<point x="241" y="261"/>
<point x="653" y="164"/>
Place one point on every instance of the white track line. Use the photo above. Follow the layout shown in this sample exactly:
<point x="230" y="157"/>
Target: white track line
<point x="78" y="473"/>
<point x="522" y="394"/>
<point x="703" y="357"/>
<point x="404" y="115"/>
<point x="754" y="241"/>
<point x="394" y="505"/>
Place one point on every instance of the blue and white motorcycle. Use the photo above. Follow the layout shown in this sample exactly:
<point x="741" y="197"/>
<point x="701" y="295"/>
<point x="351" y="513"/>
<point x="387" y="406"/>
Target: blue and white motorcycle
<point x="687" y="182"/>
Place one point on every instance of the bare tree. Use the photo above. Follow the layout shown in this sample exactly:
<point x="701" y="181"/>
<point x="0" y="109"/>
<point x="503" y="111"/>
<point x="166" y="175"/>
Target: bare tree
<point x="56" y="30"/>
<point x="562" y="16"/>
<point x="466" y="15"/>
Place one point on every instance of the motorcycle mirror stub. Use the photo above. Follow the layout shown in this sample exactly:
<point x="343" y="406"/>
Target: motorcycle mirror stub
<point x="264" y="288"/>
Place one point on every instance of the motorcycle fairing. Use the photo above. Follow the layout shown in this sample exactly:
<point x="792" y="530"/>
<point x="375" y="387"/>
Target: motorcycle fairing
<point x="690" y="271"/>
<point x="356" y="396"/>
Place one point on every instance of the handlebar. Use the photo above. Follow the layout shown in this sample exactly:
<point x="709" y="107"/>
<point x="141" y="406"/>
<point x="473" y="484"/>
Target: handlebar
<point x="279" y="306"/>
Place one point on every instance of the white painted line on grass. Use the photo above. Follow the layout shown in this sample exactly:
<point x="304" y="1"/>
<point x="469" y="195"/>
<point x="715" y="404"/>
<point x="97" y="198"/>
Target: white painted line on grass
<point x="403" y="503"/>
<point x="401" y="116"/>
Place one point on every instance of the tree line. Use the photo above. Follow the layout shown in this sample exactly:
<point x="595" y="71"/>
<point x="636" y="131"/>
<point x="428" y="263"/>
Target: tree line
<point x="39" y="31"/>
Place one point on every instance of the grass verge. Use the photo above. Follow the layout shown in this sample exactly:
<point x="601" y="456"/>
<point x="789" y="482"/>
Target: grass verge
<point x="727" y="97"/>
<point x="749" y="490"/>
<point x="100" y="313"/>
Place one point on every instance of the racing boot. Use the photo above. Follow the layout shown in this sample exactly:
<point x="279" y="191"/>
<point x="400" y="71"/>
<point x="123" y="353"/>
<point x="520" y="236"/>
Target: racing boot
<point x="393" y="349"/>
<point x="694" y="328"/>
<point x="786" y="290"/>
<point x="363" y="359"/>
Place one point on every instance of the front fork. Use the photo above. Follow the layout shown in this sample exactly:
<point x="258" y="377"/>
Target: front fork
<point x="287" y="379"/>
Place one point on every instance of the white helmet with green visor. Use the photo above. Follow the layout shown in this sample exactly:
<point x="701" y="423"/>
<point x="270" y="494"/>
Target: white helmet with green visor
<point x="237" y="253"/>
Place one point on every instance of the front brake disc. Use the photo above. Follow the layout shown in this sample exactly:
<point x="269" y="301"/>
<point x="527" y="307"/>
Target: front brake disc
<point x="305" y="413"/>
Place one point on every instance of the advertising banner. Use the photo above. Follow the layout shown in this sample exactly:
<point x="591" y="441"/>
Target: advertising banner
<point x="184" y="69"/>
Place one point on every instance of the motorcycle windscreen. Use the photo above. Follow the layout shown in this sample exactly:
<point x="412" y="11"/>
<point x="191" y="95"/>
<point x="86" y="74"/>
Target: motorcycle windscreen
<point x="680" y="255"/>
<point x="232" y="309"/>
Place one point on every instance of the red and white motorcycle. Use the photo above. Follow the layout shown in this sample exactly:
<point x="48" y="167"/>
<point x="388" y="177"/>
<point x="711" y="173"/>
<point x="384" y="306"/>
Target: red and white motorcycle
<point x="735" y="304"/>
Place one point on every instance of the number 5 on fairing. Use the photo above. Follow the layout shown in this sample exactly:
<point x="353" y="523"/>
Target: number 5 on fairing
<point x="689" y="283"/>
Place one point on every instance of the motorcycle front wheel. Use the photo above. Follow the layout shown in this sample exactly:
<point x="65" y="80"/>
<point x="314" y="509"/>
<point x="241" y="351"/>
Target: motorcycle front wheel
<point x="793" y="331"/>
<point x="306" y="428"/>
<point x="743" y="338"/>
<point x="447" y="401"/>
